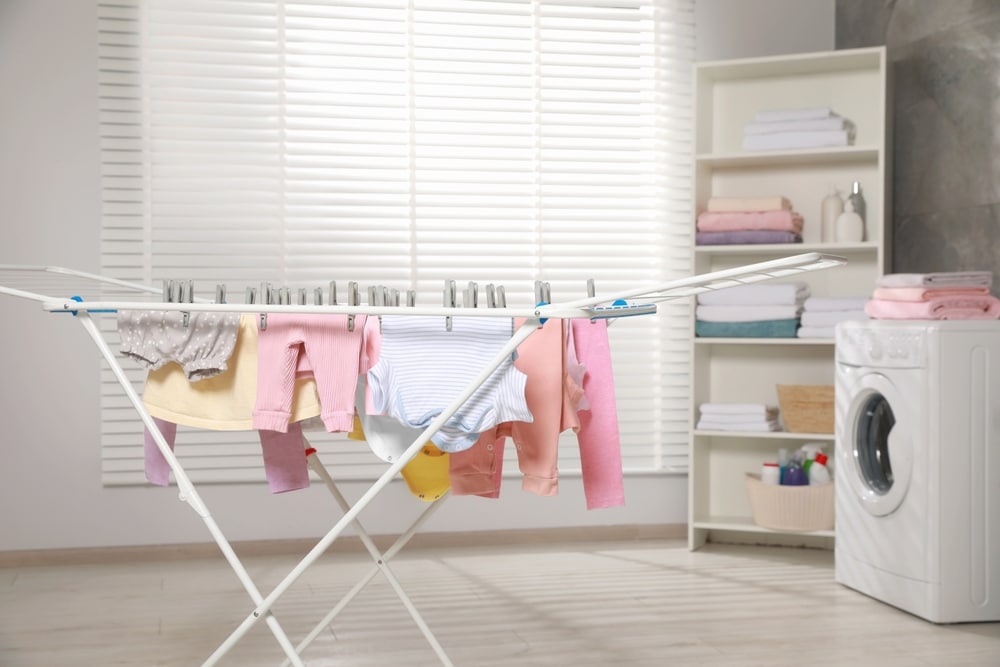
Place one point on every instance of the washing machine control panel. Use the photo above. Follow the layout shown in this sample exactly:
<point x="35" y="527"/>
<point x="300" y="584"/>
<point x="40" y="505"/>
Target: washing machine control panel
<point x="874" y="344"/>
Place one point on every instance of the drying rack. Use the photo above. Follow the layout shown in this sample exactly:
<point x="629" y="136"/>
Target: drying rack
<point x="38" y="283"/>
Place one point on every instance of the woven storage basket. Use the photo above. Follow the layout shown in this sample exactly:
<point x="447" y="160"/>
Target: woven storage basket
<point x="806" y="408"/>
<point x="797" y="508"/>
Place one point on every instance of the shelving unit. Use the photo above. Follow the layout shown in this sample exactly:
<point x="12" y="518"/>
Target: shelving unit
<point x="854" y="83"/>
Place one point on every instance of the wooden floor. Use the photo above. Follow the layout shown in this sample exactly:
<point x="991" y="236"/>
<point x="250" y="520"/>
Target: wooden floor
<point x="620" y="603"/>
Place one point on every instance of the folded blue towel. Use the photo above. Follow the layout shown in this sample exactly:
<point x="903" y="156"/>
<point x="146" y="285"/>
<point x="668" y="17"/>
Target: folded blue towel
<point x="758" y="329"/>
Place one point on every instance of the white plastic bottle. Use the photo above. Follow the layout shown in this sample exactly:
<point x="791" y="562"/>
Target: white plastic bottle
<point x="850" y="227"/>
<point x="818" y="472"/>
<point x="831" y="207"/>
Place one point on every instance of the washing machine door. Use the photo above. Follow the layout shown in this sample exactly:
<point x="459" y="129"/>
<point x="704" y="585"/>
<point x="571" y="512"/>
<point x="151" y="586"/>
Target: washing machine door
<point x="877" y="444"/>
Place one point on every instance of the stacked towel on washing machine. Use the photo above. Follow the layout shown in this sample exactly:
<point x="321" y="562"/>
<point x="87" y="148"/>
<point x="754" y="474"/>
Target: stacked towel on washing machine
<point x="751" y="311"/>
<point x="958" y="295"/>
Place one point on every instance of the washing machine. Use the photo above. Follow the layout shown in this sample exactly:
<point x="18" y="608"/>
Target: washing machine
<point x="917" y="475"/>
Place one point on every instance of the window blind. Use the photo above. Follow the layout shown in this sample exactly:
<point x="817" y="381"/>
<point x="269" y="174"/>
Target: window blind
<point x="403" y="144"/>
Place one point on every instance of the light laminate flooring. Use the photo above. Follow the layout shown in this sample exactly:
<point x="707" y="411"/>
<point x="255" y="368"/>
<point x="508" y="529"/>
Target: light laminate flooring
<point x="634" y="602"/>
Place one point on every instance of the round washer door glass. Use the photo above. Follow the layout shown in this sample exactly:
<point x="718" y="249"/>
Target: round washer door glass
<point x="878" y="452"/>
<point x="874" y="423"/>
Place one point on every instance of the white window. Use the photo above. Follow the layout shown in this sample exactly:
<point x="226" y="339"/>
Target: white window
<point x="403" y="143"/>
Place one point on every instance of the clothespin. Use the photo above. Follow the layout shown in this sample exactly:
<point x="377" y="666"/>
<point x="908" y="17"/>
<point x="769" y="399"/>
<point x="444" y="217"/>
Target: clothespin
<point x="449" y="301"/>
<point x="591" y="288"/>
<point x="491" y="295"/>
<point x="185" y="294"/>
<point x="220" y="293"/>
<point x="302" y="296"/>
<point x="501" y="296"/>
<point x="353" y="299"/>
<point x="411" y="298"/>
<point x="394" y="297"/>
<point x="266" y="297"/>
<point x="168" y="291"/>
<point x="251" y="295"/>
<point x="318" y="296"/>
<point x="333" y="293"/>
<point x="471" y="295"/>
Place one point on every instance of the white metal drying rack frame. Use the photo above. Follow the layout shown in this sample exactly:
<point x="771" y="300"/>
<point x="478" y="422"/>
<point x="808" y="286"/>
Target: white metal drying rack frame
<point x="534" y="317"/>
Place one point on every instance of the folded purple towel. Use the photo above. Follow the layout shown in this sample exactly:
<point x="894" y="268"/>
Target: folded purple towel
<point x="746" y="236"/>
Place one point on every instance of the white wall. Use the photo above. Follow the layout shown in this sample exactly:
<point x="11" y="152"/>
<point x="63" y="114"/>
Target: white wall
<point x="746" y="28"/>
<point x="50" y="491"/>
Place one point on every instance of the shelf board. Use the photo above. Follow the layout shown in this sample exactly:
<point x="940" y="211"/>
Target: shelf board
<point x="743" y="159"/>
<point x="786" y="248"/>
<point x="765" y="435"/>
<point x="746" y="525"/>
<point x="762" y="341"/>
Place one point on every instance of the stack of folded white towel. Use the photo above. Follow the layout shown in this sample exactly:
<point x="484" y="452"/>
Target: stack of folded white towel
<point x="758" y="310"/>
<point x="777" y="129"/>
<point x="738" y="417"/>
<point x="820" y="315"/>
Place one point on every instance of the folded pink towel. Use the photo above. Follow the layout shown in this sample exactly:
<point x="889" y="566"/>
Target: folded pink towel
<point x="775" y="203"/>
<point x="926" y="293"/>
<point x="944" y="279"/>
<point x="946" y="308"/>
<point x="781" y="221"/>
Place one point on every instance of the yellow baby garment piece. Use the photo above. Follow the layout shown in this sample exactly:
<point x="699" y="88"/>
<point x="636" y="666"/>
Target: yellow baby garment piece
<point x="427" y="474"/>
<point x="226" y="401"/>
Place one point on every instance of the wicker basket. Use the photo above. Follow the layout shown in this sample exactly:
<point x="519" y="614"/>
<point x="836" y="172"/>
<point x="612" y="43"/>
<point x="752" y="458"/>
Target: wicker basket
<point x="806" y="408"/>
<point x="792" y="508"/>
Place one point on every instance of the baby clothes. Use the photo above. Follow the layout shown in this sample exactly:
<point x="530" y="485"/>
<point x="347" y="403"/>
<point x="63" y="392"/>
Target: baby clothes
<point x="331" y="349"/>
<point x="422" y="368"/>
<point x="225" y="402"/>
<point x="202" y="345"/>
<point x="598" y="436"/>
<point x="542" y="358"/>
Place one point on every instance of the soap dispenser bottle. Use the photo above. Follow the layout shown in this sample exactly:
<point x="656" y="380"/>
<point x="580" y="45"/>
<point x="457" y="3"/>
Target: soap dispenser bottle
<point x="858" y="200"/>
<point x="831" y="207"/>
<point x="850" y="226"/>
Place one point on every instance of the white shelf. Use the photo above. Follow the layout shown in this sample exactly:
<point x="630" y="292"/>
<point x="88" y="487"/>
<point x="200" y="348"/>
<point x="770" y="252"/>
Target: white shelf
<point x="854" y="84"/>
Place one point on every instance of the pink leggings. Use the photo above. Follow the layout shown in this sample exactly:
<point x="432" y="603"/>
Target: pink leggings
<point x="333" y="354"/>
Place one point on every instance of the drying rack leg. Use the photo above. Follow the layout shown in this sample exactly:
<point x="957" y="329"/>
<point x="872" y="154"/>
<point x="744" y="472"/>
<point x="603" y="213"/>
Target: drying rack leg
<point x="522" y="333"/>
<point x="187" y="490"/>
<point x="381" y="565"/>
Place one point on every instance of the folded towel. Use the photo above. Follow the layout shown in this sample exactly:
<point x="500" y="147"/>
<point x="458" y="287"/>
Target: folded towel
<point x="746" y="313"/>
<point x="944" y="279"/>
<point x="813" y="139"/>
<point x="833" y="303"/>
<point x="737" y="419"/>
<point x="755" y="425"/>
<point x="752" y="409"/>
<point x="775" y="203"/>
<point x="799" y="125"/>
<point x="746" y="237"/>
<point x="771" y="294"/>
<point x="948" y="308"/>
<point x="729" y="221"/>
<point x="831" y="318"/>
<point x="925" y="293"/>
<point x="793" y="114"/>
<point x="816" y="332"/>
<point x="768" y="329"/>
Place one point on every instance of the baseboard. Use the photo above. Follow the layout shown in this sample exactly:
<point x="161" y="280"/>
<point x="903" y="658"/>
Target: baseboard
<point x="348" y="543"/>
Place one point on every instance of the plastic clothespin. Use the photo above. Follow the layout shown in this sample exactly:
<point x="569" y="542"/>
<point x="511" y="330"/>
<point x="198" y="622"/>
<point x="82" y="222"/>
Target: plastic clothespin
<point x="491" y="295"/>
<point x="185" y="294"/>
<point x="472" y="295"/>
<point x="450" y="296"/>
<point x="318" y="296"/>
<point x="591" y="288"/>
<point x="353" y="299"/>
<point x="220" y="293"/>
<point x="251" y="295"/>
<point x="411" y="298"/>
<point x="266" y="297"/>
<point x="501" y="296"/>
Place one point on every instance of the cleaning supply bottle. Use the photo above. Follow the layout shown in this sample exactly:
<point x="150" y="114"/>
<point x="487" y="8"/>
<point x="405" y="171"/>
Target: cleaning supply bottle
<point x="795" y="475"/>
<point x="818" y="472"/>
<point x="830" y="208"/>
<point x="782" y="464"/>
<point x="850" y="227"/>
